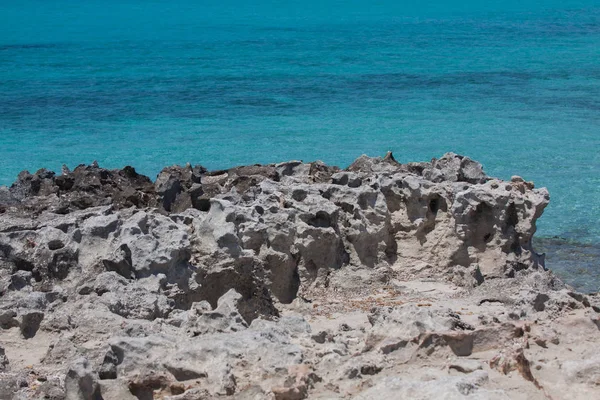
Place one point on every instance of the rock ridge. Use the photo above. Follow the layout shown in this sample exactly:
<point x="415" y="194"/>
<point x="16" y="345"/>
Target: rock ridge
<point x="208" y="284"/>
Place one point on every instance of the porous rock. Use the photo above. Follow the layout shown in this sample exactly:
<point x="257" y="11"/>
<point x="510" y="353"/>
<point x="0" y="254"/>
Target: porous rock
<point x="205" y="284"/>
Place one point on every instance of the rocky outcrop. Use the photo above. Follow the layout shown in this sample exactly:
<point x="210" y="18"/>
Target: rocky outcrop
<point x="201" y="284"/>
<point x="272" y="230"/>
<point x="84" y="187"/>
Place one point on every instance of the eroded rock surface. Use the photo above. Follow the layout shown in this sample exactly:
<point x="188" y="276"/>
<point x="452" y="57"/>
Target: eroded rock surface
<point x="285" y="281"/>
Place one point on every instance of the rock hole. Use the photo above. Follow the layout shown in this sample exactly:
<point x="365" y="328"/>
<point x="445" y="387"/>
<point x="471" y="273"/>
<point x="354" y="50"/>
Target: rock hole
<point x="515" y="247"/>
<point x="299" y="194"/>
<point x="30" y="324"/>
<point x="37" y="276"/>
<point x="320" y="220"/>
<point x="184" y="374"/>
<point x="437" y="203"/>
<point x="143" y="392"/>
<point x="119" y="354"/>
<point x="202" y="205"/>
<point x="367" y="200"/>
<point x="478" y="276"/>
<point x="539" y="303"/>
<point x="341" y="180"/>
<point x="122" y="264"/>
<point x="23" y="265"/>
<point x="55" y="244"/>
<point x="108" y="369"/>
<point x="483" y="225"/>
<point x="63" y="227"/>
<point x="311" y="269"/>
<point x="434" y="205"/>
<point x="347" y="207"/>
<point x="512" y="218"/>
<point x="294" y="286"/>
<point x="61" y="263"/>
<point x="326" y="194"/>
<point x="285" y="280"/>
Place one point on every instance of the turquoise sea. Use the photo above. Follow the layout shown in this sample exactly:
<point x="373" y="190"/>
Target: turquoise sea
<point x="512" y="84"/>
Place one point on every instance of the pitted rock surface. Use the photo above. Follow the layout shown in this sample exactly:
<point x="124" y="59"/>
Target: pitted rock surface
<point x="285" y="281"/>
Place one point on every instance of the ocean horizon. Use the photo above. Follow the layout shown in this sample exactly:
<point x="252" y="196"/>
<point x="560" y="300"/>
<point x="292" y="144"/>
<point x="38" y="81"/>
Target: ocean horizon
<point x="513" y="85"/>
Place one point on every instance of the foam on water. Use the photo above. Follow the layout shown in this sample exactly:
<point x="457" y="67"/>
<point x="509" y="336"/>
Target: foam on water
<point x="512" y="84"/>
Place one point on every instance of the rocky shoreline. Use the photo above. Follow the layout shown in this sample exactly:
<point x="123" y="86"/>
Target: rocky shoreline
<point x="286" y="281"/>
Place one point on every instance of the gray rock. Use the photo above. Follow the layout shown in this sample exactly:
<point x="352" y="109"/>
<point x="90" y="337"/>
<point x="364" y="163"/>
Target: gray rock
<point x="61" y="352"/>
<point x="455" y="168"/>
<point x="81" y="382"/>
<point x="30" y="323"/>
<point x="115" y="389"/>
<point x="9" y="385"/>
<point x="346" y="178"/>
<point x="50" y="390"/>
<point x="109" y="282"/>
<point x="173" y="289"/>
<point x="137" y="303"/>
<point x="156" y="243"/>
<point x="409" y="321"/>
<point x="108" y="369"/>
<point x="20" y="280"/>
<point x="584" y="371"/>
<point x="7" y="319"/>
<point x="465" y="365"/>
<point x="468" y="387"/>
<point x="224" y="318"/>
<point x="101" y="226"/>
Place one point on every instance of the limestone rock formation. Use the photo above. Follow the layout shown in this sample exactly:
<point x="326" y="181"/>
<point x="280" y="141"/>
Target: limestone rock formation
<point x="284" y="281"/>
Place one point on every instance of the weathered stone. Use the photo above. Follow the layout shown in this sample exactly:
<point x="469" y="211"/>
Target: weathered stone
<point x="7" y="319"/>
<point x="447" y="388"/>
<point x="584" y="371"/>
<point x="465" y="366"/>
<point x="30" y="323"/>
<point x="115" y="389"/>
<point x="108" y="369"/>
<point x="81" y="382"/>
<point x="224" y="318"/>
<point x="4" y="363"/>
<point x="410" y="321"/>
<point x="211" y="284"/>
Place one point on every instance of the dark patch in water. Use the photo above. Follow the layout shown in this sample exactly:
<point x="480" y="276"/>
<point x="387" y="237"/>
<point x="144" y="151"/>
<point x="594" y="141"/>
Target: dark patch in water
<point x="279" y="29"/>
<point x="578" y="264"/>
<point x="28" y="46"/>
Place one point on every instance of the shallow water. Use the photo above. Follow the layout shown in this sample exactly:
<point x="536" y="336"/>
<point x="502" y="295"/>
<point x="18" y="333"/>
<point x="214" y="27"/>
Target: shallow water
<point x="512" y="84"/>
<point x="575" y="262"/>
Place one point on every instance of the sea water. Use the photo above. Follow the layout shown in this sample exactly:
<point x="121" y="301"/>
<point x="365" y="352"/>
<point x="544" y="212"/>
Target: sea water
<point x="512" y="84"/>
